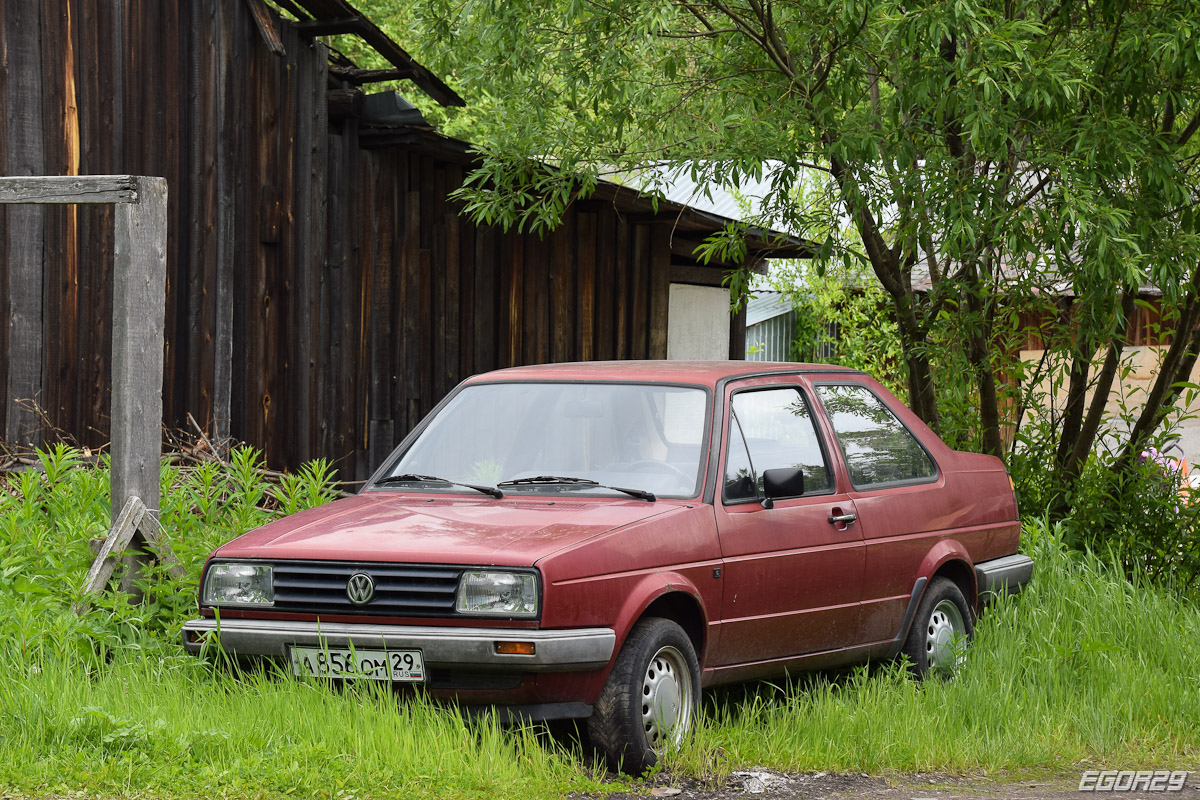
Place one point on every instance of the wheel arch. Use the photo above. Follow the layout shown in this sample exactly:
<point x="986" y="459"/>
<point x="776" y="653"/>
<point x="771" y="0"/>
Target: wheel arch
<point x="947" y="559"/>
<point x="962" y="575"/>
<point x="670" y="596"/>
<point x="684" y="610"/>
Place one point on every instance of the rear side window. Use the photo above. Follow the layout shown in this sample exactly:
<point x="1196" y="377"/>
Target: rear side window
<point x="769" y="429"/>
<point x="877" y="447"/>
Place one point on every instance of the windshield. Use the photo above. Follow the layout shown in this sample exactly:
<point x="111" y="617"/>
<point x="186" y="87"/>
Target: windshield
<point x="639" y="436"/>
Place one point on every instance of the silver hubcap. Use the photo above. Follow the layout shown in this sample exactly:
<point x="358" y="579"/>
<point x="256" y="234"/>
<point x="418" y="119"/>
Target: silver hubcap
<point x="942" y="650"/>
<point x="666" y="698"/>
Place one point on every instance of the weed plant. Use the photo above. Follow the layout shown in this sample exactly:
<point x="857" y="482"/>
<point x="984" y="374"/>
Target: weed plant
<point x="1086" y="669"/>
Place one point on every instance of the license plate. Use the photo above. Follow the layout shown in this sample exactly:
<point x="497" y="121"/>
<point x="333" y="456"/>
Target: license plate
<point x="374" y="665"/>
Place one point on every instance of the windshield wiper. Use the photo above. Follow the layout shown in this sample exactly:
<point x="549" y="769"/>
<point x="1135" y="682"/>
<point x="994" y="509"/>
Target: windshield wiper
<point x="562" y="480"/>
<point x="409" y="477"/>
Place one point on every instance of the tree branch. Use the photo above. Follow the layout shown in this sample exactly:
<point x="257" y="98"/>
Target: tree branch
<point x="1190" y="130"/>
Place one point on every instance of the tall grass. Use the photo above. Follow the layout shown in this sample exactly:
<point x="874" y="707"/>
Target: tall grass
<point x="1083" y="668"/>
<point x="109" y="702"/>
<point x="170" y="726"/>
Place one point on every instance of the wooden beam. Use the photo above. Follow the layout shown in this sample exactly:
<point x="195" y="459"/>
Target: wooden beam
<point x="681" y="246"/>
<point x="737" y="334"/>
<point x="660" y="289"/>
<point x="334" y="10"/>
<point x="124" y="526"/>
<point x="69" y="189"/>
<point x="698" y="276"/>
<point x="133" y="520"/>
<point x="151" y="531"/>
<point x="343" y="103"/>
<point x="359" y="77"/>
<point x="328" y="27"/>
<point x="292" y="8"/>
<point x="268" y="28"/>
<point x="139" y="302"/>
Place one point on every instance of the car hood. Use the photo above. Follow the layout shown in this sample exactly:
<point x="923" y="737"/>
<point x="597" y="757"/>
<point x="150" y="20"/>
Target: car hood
<point x="418" y="528"/>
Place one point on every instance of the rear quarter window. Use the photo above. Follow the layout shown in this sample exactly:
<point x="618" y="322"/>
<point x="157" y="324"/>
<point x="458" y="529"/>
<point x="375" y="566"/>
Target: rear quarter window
<point x="878" y="449"/>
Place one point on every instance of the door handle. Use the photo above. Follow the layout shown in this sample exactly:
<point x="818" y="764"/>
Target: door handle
<point x="849" y="519"/>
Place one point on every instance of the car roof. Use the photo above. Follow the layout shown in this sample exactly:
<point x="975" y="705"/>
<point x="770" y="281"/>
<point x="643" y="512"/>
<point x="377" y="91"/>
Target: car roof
<point x="707" y="373"/>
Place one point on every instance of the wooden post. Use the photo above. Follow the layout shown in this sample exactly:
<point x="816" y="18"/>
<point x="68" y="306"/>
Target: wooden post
<point x="139" y="309"/>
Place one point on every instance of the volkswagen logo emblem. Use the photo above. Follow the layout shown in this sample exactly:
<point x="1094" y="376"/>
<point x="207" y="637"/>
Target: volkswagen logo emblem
<point x="360" y="588"/>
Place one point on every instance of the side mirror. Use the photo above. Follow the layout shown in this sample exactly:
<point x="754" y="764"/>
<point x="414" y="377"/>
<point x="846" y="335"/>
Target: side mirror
<point x="782" y="482"/>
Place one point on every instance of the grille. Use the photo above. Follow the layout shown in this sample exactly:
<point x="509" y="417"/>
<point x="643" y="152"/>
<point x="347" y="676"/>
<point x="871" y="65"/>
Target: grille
<point x="441" y="678"/>
<point x="401" y="590"/>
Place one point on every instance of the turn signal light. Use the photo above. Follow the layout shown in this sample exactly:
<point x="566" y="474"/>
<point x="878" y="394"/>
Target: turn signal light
<point x="515" y="648"/>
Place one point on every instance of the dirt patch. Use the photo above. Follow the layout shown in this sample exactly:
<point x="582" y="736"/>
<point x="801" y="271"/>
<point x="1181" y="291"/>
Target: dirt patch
<point x="760" y="784"/>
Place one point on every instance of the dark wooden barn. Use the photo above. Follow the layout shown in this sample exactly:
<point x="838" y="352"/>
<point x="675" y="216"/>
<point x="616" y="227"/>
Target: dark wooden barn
<point x="323" y="293"/>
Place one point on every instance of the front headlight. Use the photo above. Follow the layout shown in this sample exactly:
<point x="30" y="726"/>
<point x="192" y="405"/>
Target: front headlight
<point x="508" y="594"/>
<point x="239" y="585"/>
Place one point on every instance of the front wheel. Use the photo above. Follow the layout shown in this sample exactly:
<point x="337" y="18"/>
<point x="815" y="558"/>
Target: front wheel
<point x="651" y="695"/>
<point x="940" y="632"/>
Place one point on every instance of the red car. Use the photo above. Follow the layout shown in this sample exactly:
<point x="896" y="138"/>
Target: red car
<point x="602" y="540"/>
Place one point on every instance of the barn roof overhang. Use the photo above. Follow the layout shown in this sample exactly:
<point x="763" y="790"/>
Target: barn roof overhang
<point x="328" y="17"/>
<point x="690" y="226"/>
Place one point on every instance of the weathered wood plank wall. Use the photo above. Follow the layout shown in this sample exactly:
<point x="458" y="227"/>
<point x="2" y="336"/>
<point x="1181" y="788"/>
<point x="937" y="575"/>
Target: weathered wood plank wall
<point x="323" y="294"/>
<point x="443" y="299"/>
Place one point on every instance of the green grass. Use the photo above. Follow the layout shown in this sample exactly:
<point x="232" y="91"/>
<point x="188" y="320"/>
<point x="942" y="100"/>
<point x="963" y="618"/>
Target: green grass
<point x="169" y="726"/>
<point x="1083" y="669"/>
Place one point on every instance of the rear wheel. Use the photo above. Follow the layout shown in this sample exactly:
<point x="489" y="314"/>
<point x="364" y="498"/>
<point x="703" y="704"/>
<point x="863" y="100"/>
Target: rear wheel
<point x="940" y="632"/>
<point x="651" y="695"/>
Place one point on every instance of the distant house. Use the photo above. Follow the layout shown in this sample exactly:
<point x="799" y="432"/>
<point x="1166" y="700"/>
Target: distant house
<point x="770" y="327"/>
<point x="323" y="292"/>
<point x="770" y="319"/>
<point x="772" y="334"/>
<point x="1147" y="343"/>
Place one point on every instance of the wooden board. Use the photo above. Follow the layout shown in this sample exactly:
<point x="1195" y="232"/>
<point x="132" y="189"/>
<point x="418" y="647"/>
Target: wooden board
<point x="660" y="289"/>
<point x="24" y="132"/>
<point x="4" y="286"/>
<point x="585" y="304"/>
<point x="135" y="521"/>
<point x="68" y="189"/>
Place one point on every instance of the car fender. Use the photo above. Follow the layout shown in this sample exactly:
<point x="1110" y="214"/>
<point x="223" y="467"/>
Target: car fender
<point x="944" y="552"/>
<point x="651" y="587"/>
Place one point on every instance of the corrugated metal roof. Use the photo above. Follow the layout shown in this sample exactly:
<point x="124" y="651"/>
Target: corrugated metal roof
<point x="680" y="188"/>
<point x="766" y="305"/>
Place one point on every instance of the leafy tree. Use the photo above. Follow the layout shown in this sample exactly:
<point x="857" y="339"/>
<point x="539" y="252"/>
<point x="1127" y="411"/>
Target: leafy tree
<point x="987" y="155"/>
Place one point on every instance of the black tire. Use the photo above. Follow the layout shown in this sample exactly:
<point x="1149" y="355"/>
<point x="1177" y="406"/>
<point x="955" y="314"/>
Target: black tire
<point x="943" y="626"/>
<point x="655" y="679"/>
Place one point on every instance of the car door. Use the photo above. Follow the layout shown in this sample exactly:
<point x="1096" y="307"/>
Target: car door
<point x="899" y="496"/>
<point x="793" y="571"/>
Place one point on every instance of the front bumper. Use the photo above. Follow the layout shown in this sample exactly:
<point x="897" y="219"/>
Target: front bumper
<point x="1007" y="575"/>
<point x="554" y="650"/>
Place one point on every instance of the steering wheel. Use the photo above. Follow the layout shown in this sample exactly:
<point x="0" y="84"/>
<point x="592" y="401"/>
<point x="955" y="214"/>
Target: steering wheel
<point x="660" y="466"/>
